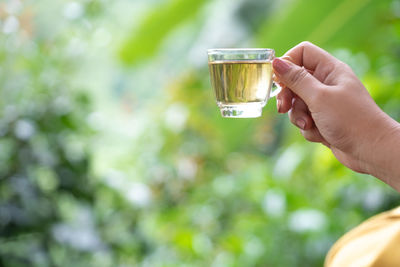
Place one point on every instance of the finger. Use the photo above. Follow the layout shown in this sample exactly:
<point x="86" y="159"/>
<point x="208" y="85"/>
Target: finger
<point x="298" y="79"/>
<point x="308" y="55"/>
<point x="313" y="135"/>
<point x="316" y="60"/>
<point x="300" y="112"/>
<point x="284" y="100"/>
<point x="299" y="115"/>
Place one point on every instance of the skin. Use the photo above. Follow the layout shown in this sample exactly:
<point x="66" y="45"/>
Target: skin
<point x="330" y="105"/>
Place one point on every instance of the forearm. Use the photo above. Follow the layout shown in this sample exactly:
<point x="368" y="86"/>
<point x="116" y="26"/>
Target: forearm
<point x="384" y="158"/>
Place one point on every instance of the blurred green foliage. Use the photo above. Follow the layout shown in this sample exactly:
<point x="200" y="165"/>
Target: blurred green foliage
<point x="146" y="40"/>
<point x="113" y="152"/>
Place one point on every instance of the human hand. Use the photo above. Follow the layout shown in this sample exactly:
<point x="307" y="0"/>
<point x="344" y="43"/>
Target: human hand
<point x="330" y="105"/>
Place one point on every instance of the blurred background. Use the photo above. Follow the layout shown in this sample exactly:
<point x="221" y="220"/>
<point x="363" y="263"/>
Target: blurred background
<point x="113" y="151"/>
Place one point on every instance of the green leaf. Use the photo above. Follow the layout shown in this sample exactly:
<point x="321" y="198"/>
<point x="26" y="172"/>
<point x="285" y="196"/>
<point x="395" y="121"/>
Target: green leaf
<point x="146" y="40"/>
<point x="326" y="23"/>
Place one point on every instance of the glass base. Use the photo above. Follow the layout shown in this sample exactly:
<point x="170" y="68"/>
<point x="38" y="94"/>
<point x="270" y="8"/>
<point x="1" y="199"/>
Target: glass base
<point x="247" y="110"/>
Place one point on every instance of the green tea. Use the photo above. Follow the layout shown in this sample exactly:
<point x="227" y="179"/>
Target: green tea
<point x="240" y="81"/>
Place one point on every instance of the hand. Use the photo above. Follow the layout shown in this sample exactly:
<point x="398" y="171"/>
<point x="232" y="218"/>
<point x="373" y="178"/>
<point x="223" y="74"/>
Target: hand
<point x="330" y="105"/>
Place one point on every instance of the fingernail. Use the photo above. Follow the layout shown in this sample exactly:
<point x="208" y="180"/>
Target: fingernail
<point x="280" y="66"/>
<point x="278" y="105"/>
<point x="301" y="123"/>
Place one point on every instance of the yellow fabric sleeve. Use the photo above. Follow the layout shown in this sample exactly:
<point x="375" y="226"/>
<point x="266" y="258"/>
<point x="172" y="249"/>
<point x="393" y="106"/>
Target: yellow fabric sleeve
<point x="374" y="243"/>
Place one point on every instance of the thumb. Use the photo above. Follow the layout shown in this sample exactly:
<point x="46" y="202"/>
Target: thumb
<point x="298" y="79"/>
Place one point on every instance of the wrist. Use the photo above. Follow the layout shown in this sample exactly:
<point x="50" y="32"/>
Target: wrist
<point x="382" y="156"/>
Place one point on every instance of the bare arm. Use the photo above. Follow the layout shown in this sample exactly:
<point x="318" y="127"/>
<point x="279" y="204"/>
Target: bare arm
<point x="330" y="105"/>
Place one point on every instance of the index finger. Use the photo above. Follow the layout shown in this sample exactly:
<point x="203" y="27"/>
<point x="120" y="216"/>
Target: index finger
<point x="315" y="59"/>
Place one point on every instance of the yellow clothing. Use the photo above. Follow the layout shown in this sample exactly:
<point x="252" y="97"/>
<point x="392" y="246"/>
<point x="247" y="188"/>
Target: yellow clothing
<point x="374" y="243"/>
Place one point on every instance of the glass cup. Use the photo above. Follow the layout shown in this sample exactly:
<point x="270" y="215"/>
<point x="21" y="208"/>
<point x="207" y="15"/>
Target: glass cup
<point x="242" y="80"/>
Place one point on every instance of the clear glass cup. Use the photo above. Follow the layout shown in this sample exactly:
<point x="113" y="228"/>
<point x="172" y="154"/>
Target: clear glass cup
<point x="242" y="80"/>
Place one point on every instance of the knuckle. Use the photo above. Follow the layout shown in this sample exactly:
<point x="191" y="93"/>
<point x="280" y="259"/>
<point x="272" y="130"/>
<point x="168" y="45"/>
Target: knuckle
<point x="309" y="136"/>
<point x="298" y="76"/>
<point x="298" y="104"/>
<point x="342" y="66"/>
<point x="306" y="43"/>
<point x="292" y="116"/>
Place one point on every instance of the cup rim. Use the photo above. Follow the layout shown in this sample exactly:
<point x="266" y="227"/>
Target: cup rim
<point x="239" y="50"/>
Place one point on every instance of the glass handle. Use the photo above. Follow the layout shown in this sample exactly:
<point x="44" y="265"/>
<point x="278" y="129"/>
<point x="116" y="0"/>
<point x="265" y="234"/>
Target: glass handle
<point x="276" y="91"/>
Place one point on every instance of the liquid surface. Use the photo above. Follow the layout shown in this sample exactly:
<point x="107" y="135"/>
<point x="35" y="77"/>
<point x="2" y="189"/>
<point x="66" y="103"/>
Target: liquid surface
<point x="236" y="82"/>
